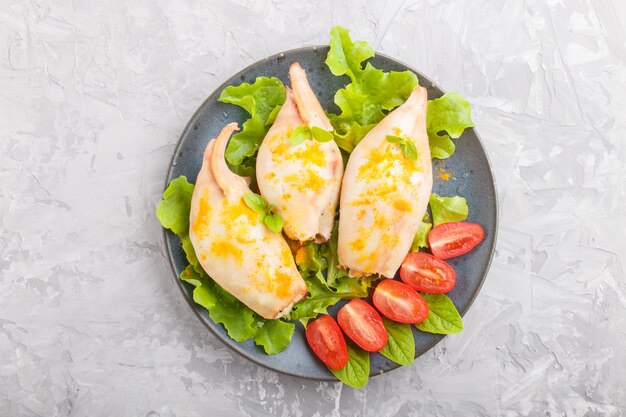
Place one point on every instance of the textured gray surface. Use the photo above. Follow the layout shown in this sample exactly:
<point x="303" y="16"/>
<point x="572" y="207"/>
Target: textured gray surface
<point x="93" y="96"/>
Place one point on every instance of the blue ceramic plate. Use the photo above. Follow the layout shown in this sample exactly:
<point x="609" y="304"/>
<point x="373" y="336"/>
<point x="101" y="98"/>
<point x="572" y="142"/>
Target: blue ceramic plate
<point x="473" y="180"/>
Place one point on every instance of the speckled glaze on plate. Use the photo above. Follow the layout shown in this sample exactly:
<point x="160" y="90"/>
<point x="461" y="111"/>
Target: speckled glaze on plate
<point x="472" y="179"/>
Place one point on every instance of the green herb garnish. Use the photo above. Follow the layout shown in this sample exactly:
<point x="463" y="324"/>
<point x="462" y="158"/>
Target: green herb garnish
<point x="356" y="373"/>
<point x="258" y="204"/>
<point x="406" y="146"/>
<point x="400" y="346"/>
<point x="443" y="317"/>
<point x="302" y="133"/>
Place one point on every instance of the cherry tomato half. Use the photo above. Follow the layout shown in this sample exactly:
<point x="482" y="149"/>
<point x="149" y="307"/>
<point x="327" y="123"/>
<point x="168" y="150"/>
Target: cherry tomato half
<point x="363" y="325"/>
<point x="326" y="340"/>
<point x="423" y="272"/>
<point x="448" y="240"/>
<point x="399" y="302"/>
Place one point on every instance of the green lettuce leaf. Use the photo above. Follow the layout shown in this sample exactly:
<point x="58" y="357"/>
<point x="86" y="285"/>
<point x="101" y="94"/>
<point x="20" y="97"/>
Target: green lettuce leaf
<point x="274" y="336"/>
<point x="448" y="209"/>
<point x="328" y="289"/>
<point x="371" y="92"/>
<point x="356" y="373"/>
<point x="246" y="169"/>
<point x="261" y="100"/>
<point x="240" y="322"/>
<point x="352" y="133"/>
<point x="329" y="251"/>
<point x="191" y="276"/>
<point x="441" y="146"/>
<point x="421" y="237"/>
<point x="173" y="210"/>
<point x="173" y="213"/>
<point x="450" y="113"/>
<point x="190" y="253"/>
<point x="443" y="317"/>
<point x="319" y="298"/>
<point x="309" y="260"/>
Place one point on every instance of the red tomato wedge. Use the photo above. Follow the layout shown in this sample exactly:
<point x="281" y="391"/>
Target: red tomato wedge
<point x="399" y="302"/>
<point x="423" y="272"/>
<point x="363" y="325"/>
<point x="326" y="340"/>
<point x="448" y="240"/>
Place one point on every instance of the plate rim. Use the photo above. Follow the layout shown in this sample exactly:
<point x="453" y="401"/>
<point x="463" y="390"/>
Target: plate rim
<point x="223" y="338"/>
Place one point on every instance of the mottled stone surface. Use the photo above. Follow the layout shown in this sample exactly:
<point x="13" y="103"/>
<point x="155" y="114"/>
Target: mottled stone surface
<point x="93" y="96"/>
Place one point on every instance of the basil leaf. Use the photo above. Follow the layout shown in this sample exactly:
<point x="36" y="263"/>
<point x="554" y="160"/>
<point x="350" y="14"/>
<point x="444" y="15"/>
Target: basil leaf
<point x="400" y="346"/>
<point x="321" y="135"/>
<point x="448" y="209"/>
<point x="299" y="135"/>
<point x="406" y="146"/>
<point x="356" y="373"/>
<point x="421" y="237"/>
<point x="255" y="202"/>
<point x="443" y="317"/>
<point x="394" y="139"/>
<point x="409" y="150"/>
<point x="274" y="222"/>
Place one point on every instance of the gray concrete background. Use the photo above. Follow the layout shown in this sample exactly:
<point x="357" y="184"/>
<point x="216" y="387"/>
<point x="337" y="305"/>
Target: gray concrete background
<point x="93" y="96"/>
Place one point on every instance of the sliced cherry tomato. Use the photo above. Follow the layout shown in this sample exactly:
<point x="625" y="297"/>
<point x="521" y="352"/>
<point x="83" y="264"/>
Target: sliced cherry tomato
<point x="399" y="302"/>
<point x="448" y="240"/>
<point x="326" y="340"/>
<point x="424" y="272"/>
<point x="363" y="325"/>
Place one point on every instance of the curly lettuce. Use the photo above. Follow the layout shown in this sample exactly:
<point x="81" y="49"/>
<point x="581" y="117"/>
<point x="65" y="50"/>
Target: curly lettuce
<point x="262" y="100"/>
<point x="372" y="93"/>
<point x="447" y="118"/>
<point x="448" y="209"/>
